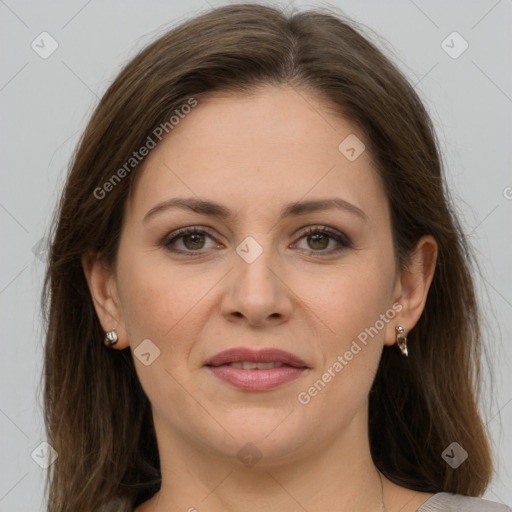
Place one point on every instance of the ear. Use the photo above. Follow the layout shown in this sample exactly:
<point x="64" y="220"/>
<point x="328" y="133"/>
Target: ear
<point x="412" y="286"/>
<point x="102" y="287"/>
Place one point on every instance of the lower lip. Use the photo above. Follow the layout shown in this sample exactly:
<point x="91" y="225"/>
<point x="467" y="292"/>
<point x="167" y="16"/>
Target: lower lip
<point x="256" y="380"/>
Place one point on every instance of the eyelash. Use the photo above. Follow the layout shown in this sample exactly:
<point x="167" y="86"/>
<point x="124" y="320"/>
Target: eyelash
<point x="343" y="241"/>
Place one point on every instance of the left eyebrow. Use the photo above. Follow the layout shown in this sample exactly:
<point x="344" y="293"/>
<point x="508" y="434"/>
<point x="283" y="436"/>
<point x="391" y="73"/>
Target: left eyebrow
<point x="302" y="207"/>
<point x="205" y="207"/>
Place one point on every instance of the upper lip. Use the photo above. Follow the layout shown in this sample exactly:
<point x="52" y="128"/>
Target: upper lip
<point x="265" y="355"/>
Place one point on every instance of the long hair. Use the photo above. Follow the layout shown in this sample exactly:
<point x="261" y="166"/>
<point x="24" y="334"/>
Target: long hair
<point x="97" y="416"/>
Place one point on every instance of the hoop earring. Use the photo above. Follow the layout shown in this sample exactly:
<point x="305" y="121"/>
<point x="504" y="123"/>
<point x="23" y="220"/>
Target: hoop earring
<point x="401" y="339"/>
<point x="110" y="338"/>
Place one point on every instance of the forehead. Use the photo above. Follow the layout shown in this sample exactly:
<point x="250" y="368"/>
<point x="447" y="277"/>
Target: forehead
<point x="275" y="145"/>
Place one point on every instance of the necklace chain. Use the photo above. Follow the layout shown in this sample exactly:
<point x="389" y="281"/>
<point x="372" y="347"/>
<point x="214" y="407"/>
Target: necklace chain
<point x="382" y="505"/>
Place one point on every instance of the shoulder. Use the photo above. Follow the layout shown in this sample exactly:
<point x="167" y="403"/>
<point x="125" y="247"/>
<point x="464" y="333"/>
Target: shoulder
<point x="446" y="502"/>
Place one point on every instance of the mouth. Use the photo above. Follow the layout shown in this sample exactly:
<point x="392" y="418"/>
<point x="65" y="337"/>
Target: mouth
<point x="251" y="365"/>
<point x="252" y="370"/>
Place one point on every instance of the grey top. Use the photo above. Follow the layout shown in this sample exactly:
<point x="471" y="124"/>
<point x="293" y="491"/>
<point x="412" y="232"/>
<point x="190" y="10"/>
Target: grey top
<point x="446" y="502"/>
<point x="440" y="502"/>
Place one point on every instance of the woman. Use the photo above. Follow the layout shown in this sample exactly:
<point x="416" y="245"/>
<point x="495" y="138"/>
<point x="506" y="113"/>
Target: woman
<point x="258" y="295"/>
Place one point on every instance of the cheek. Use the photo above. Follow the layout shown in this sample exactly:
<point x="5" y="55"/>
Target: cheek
<point x="348" y="299"/>
<point x="155" y="297"/>
<point x="353" y="312"/>
<point x="338" y="388"/>
<point x="158" y="303"/>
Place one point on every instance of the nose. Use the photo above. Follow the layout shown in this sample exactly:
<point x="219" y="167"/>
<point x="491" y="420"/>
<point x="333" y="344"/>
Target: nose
<point x="257" y="292"/>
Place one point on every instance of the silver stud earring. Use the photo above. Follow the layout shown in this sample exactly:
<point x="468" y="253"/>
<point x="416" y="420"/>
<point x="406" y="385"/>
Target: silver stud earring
<point x="110" y="338"/>
<point x="401" y="339"/>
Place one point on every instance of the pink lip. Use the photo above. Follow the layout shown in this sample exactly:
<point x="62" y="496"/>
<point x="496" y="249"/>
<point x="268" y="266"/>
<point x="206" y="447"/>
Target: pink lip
<point x="256" y="380"/>
<point x="266" y="355"/>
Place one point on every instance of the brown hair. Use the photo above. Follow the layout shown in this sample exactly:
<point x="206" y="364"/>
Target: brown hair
<point x="96" y="413"/>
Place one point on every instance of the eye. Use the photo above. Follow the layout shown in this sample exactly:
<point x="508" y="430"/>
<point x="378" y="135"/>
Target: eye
<point x="319" y="238"/>
<point x="191" y="239"/>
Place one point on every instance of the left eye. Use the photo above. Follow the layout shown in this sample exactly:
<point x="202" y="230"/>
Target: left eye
<point x="318" y="239"/>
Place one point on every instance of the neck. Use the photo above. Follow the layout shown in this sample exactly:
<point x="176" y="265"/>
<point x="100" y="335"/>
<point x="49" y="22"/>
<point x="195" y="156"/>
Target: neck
<point x="338" y="475"/>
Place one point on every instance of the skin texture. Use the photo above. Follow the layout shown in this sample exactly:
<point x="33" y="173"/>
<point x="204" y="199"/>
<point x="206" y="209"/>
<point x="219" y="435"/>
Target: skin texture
<point x="255" y="154"/>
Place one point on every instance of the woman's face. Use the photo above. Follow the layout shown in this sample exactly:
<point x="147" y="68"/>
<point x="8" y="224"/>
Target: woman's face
<point x="256" y="279"/>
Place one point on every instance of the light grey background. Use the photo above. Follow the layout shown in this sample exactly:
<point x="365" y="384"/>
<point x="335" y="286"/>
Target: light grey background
<point x="45" y="104"/>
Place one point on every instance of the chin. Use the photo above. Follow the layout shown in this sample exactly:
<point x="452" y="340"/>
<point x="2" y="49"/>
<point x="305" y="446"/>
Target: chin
<point x="262" y="437"/>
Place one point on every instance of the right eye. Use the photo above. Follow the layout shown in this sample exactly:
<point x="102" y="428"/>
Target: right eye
<point x="192" y="240"/>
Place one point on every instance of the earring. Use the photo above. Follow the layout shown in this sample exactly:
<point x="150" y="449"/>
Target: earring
<point x="401" y="339"/>
<point x="110" y="338"/>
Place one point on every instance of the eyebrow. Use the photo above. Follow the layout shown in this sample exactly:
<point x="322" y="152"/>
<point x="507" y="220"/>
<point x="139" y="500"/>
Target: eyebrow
<point x="206" y="207"/>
